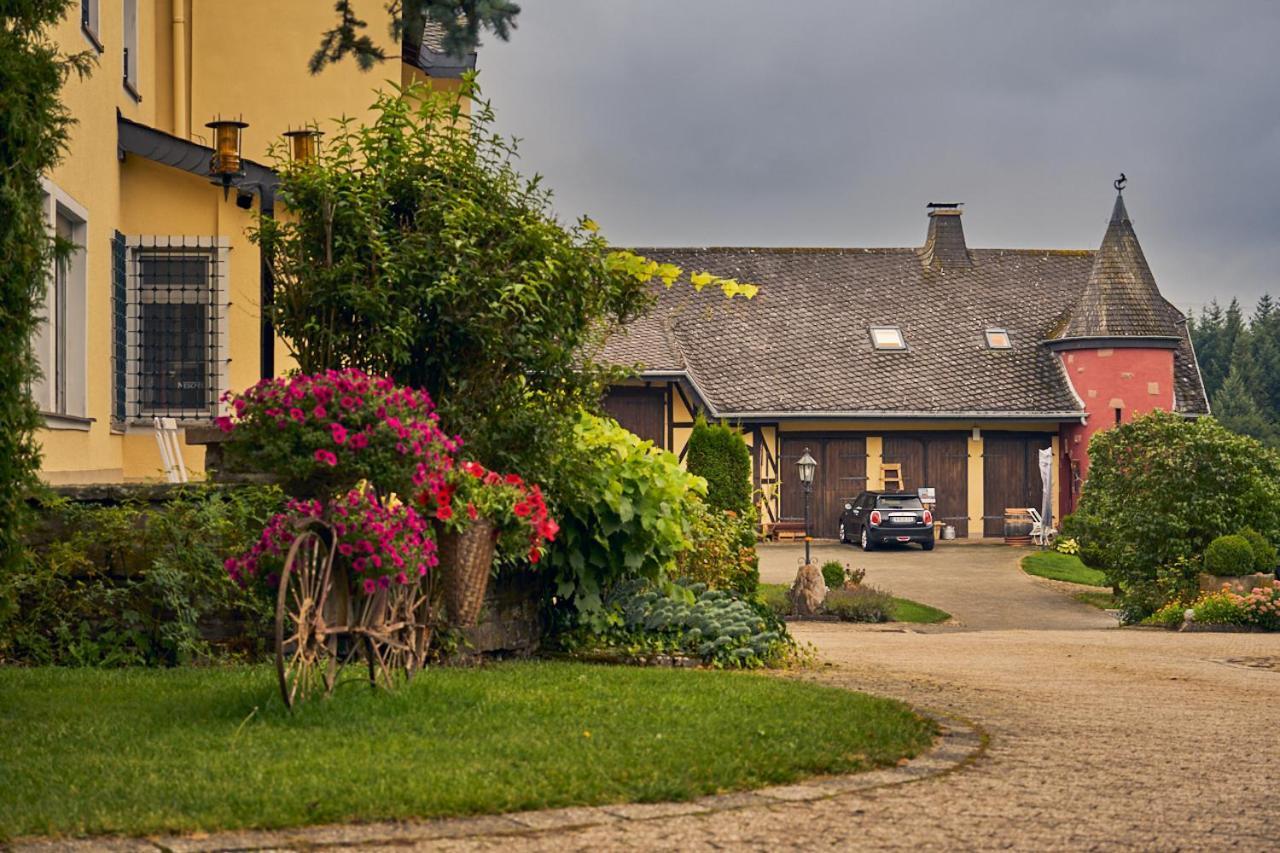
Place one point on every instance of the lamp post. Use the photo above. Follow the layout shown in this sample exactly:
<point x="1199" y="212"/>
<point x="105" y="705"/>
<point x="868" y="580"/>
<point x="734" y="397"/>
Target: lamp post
<point x="807" y="465"/>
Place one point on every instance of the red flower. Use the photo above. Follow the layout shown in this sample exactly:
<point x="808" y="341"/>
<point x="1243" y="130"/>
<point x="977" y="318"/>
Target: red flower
<point x="445" y="512"/>
<point x="472" y="512"/>
<point x="514" y="480"/>
<point x="522" y="510"/>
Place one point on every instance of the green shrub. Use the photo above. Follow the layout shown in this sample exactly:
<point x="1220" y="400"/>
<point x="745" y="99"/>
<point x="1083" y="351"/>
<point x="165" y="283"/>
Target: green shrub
<point x="722" y="552"/>
<point x="1162" y="488"/>
<point x="1218" y="608"/>
<point x="833" y="574"/>
<point x="1264" y="553"/>
<point x="624" y="510"/>
<point x="718" y="454"/>
<point x="775" y="597"/>
<point x="1229" y="555"/>
<point x="712" y="624"/>
<point x="860" y="604"/>
<point x="133" y="584"/>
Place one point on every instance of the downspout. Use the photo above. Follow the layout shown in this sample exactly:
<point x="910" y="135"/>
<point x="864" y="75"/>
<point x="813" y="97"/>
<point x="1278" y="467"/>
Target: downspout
<point x="266" y="296"/>
<point x="181" y="118"/>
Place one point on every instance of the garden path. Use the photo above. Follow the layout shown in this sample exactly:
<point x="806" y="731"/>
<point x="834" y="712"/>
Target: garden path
<point x="981" y="586"/>
<point x="1104" y="739"/>
<point x="1100" y="738"/>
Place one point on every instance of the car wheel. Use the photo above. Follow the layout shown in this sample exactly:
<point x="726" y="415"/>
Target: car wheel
<point x="867" y="544"/>
<point x="927" y="544"/>
<point x="843" y="538"/>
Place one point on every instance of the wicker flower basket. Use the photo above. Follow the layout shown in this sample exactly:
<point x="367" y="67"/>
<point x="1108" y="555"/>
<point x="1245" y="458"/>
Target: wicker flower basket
<point x="466" y="559"/>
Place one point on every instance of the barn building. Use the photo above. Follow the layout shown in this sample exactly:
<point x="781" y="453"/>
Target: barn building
<point x="947" y="366"/>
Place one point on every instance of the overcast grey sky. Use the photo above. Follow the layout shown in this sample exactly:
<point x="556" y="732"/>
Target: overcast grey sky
<point x="828" y="123"/>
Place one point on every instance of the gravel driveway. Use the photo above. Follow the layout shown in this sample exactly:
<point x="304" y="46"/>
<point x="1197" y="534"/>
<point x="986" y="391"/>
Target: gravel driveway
<point x="1100" y="738"/>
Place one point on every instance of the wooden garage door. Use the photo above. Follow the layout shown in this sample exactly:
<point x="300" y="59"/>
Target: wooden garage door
<point x="940" y="461"/>
<point x="639" y="410"/>
<point x="1010" y="475"/>
<point x="841" y="476"/>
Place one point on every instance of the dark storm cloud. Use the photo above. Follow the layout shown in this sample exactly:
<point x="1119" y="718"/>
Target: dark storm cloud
<point x="815" y="122"/>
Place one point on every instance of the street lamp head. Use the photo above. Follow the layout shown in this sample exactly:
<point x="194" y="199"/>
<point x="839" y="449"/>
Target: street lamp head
<point x="807" y="465"/>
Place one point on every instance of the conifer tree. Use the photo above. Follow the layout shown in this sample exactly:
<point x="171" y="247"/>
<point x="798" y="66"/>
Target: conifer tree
<point x="1235" y="409"/>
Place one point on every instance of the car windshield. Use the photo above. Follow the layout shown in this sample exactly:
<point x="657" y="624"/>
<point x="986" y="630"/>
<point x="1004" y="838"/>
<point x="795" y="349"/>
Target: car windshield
<point x="899" y="502"/>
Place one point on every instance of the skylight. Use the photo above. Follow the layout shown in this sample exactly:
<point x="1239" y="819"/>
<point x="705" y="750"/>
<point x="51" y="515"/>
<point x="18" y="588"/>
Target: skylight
<point x="998" y="339"/>
<point x="887" y="338"/>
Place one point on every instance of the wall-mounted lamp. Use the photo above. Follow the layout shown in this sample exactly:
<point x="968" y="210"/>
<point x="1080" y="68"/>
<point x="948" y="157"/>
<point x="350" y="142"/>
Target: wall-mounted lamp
<point x="225" y="166"/>
<point x="304" y="144"/>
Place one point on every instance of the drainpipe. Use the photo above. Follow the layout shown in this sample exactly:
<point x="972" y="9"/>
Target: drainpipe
<point x="181" y="119"/>
<point x="266" y="296"/>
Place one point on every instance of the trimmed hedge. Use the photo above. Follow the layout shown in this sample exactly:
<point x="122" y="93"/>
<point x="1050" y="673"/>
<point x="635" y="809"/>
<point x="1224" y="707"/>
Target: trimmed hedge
<point x="718" y="454"/>
<point x="1227" y="556"/>
<point x="1264" y="553"/>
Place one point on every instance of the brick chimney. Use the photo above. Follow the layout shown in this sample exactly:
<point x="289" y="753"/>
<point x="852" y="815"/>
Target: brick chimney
<point x="944" y="246"/>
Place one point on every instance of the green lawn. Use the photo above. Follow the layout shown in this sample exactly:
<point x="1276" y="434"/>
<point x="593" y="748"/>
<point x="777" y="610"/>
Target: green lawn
<point x="1062" y="567"/>
<point x="1101" y="600"/>
<point x="143" y="751"/>
<point x="904" y="609"/>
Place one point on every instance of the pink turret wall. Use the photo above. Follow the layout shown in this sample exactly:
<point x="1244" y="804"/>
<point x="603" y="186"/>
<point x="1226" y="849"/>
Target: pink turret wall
<point x="1133" y="380"/>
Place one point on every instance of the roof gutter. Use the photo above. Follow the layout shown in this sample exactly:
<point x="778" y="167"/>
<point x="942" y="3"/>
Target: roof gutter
<point x="1114" y="342"/>
<point x="861" y="414"/>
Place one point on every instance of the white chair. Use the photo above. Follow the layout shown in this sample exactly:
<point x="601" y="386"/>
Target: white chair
<point x="1040" y="532"/>
<point x="175" y="469"/>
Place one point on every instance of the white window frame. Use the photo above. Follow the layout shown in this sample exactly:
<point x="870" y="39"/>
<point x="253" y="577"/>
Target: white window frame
<point x="129" y="50"/>
<point x="90" y="23"/>
<point x="877" y="343"/>
<point x="996" y="330"/>
<point x="61" y="394"/>
<point x="219" y="250"/>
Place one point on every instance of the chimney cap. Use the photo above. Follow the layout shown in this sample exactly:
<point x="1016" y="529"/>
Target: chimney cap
<point x="949" y="205"/>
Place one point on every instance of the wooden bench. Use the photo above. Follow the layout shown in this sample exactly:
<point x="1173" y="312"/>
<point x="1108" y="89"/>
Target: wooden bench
<point x="786" y="531"/>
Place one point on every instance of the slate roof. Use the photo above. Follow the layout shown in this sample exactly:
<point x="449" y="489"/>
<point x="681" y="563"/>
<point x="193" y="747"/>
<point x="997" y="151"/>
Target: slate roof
<point x="1120" y="298"/>
<point x="802" y="347"/>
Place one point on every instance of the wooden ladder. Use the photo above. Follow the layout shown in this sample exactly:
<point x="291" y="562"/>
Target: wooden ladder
<point x="891" y="474"/>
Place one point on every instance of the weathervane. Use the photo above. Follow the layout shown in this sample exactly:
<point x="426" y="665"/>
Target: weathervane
<point x="1119" y="183"/>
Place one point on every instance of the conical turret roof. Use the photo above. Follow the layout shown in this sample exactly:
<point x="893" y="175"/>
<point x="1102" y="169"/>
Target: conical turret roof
<point x="1121" y="298"/>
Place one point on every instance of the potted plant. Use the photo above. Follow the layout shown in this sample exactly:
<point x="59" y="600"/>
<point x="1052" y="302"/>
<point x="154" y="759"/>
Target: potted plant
<point x="482" y="514"/>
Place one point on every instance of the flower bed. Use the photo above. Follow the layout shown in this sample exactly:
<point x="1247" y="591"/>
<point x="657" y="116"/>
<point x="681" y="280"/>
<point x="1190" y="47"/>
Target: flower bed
<point x="1259" y="609"/>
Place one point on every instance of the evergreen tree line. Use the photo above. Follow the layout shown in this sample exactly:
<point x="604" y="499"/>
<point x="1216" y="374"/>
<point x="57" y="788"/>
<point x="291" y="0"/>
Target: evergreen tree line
<point x="1240" y="363"/>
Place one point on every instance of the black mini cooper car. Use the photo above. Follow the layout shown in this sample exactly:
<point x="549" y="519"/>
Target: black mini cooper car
<point x="875" y="518"/>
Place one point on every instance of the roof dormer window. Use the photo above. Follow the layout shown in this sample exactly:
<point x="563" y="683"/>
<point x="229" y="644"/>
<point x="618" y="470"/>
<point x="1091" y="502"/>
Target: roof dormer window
<point x="887" y="338"/>
<point x="998" y="339"/>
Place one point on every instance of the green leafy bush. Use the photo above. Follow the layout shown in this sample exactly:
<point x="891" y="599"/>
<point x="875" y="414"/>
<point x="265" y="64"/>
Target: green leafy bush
<point x="721" y="552"/>
<point x="1264" y="553"/>
<point x="833" y="574"/>
<point x="718" y="454"/>
<point x="1131" y="519"/>
<point x="712" y="624"/>
<point x="1229" y="555"/>
<point x="135" y="584"/>
<point x="860" y="604"/>
<point x="624" y="509"/>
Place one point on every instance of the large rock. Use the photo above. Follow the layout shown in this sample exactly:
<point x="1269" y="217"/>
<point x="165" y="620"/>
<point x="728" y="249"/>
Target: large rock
<point x="808" y="592"/>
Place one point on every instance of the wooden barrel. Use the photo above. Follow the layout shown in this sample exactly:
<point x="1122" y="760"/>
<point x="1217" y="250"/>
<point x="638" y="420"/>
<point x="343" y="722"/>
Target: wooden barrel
<point x="1017" y="526"/>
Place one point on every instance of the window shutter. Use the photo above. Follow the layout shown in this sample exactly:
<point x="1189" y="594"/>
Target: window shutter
<point x="119" y="325"/>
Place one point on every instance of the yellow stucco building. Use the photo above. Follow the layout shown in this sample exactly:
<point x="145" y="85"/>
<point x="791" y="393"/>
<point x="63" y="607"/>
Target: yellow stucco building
<point x="158" y="312"/>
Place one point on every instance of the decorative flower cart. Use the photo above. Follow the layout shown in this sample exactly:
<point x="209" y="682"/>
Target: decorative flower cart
<point x="322" y="624"/>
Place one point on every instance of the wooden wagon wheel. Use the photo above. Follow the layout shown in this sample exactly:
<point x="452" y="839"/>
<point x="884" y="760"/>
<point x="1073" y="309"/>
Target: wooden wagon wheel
<point x="389" y="626"/>
<point x="306" y="661"/>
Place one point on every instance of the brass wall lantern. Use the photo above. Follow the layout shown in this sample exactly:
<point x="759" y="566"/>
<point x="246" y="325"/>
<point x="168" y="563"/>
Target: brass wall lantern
<point x="304" y="144"/>
<point x="225" y="167"/>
